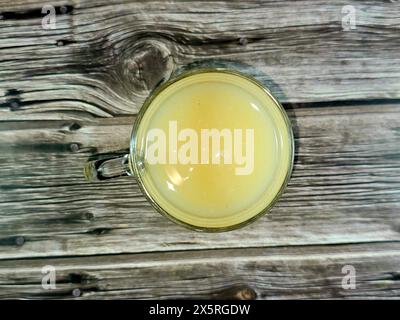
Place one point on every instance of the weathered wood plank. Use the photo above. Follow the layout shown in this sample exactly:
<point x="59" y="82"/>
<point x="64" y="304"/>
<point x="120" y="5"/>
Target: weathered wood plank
<point x="81" y="84"/>
<point x="345" y="188"/>
<point x="264" y="273"/>
<point x="103" y="58"/>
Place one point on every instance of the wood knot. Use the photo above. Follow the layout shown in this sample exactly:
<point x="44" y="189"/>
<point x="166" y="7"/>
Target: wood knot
<point x="74" y="126"/>
<point x="142" y="66"/>
<point x="99" y="231"/>
<point x="89" y="216"/>
<point x="241" y="292"/>
<point x="395" y="276"/>
<point x="246" y="293"/>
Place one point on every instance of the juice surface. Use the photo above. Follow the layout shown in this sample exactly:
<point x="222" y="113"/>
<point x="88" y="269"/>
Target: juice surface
<point x="213" y="194"/>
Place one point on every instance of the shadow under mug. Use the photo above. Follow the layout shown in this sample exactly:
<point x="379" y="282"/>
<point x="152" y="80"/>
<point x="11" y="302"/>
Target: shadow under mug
<point x="216" y="194"/>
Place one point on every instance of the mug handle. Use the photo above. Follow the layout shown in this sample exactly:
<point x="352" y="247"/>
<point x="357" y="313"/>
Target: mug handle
<point x="109" y="167"/>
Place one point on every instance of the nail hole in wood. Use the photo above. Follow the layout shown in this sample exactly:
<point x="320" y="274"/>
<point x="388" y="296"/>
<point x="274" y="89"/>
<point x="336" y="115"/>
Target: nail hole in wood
<point x="19" y="241"/>
<point x="243" y="41"/>
<point x="74" y="147"/>
<point x="76" y="292"/>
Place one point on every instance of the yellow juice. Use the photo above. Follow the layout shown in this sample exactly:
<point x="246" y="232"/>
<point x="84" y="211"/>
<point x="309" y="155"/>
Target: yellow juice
<point x="222" y="191"/>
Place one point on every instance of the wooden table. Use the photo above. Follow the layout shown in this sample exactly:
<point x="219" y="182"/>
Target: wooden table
<point x="73" y="91"/>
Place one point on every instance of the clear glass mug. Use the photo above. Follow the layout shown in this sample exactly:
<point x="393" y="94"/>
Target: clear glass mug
<point x="211" y="149"/>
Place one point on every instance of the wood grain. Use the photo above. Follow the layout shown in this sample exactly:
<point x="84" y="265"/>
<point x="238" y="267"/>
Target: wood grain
<point x="264" y="273"/>
<point x="69" y="93"/>
<point x="345" y="188"/>
<point x="103" y="58"/>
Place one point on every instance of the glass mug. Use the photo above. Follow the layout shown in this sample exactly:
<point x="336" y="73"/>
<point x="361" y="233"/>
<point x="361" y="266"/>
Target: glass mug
<point x="211" y="149"/>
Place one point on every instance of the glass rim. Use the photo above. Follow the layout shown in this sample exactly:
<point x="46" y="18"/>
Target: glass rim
<point x="133" y="161"/>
